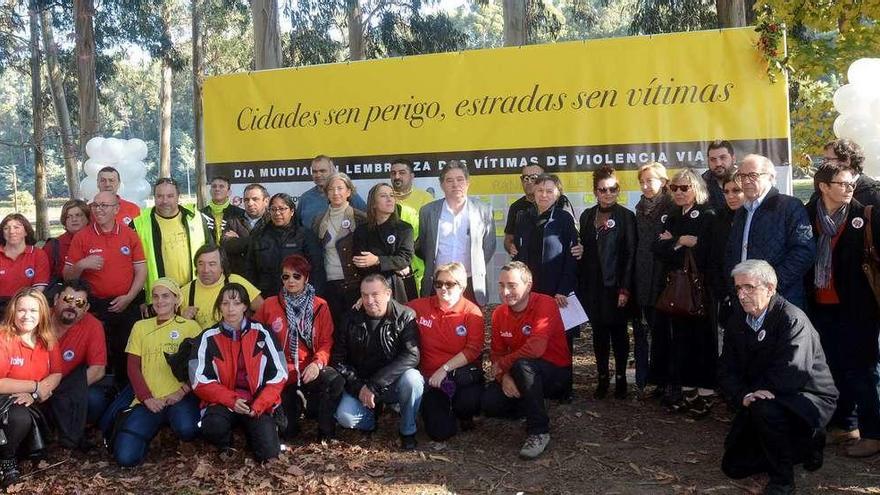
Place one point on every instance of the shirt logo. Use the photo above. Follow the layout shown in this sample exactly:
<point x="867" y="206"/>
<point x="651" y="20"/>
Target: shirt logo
<point x="610" y="223"/>
<point x="16" y="361"/>
<point x="277" y="325"/>
<point x="261" y="344"/>
<point x="761" y="335"/>
<point x="95" y="250"/>
<point x="346" y="223"/>
<point x="174" y="334"/>
<point x="68" y="355"/>
<point x="29" y="272"/>
<point x="391" y="239"/>
<point x="125" y="250"/>
<point x="858" y="223"/>
<point x="461" y="330"/>
<point x="505" y="333"/>
<point x="694" y="214"/>
<point x="663" y="218"/>
<point x="425" y="322"/>
<point x="126" y="220"/>
<point x="527" y="330"/>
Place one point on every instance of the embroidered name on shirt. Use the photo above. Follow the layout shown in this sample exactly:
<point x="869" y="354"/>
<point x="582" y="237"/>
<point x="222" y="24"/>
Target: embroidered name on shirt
<point x="425" y="322"/>
<point x="16" y="361"/>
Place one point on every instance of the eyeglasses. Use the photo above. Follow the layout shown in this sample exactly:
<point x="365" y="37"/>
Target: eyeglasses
<point x="751" y="176"/>
<point x="733" y="191"/>
<point x="679" y="187"/>
<point x="278" y="209"/>
<point x="748" y="289"/>
<point x="605" y="190"/>
<point x="166" y="180"/>
<point x="439" y="284"/>
<point x="79" y="302"/>
<point x="296" y="276"/>
<point x="103" y="206"/>
<point x="845" y="185"/>
<point x="529" y="178"/>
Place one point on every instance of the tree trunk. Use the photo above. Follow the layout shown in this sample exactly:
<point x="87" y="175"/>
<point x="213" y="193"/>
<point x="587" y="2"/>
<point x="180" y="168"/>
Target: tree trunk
<point x="731" y="13"/>
<point x="355" y="30"/>
<point x="197" y="71"/>
<point x="516" y="29"/>
<point x="267" y="36"/>
<point x="59" y="100"/>
<point x="165" y="119"/>
<point x="42" y="225"/>
<point x="85" y="68"/>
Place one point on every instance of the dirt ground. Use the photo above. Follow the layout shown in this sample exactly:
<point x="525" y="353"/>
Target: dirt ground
<point x="608" y="446"/>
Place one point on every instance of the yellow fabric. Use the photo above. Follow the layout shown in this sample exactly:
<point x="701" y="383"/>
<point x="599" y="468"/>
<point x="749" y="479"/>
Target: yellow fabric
<point x="151" y="341"/>
<point x="206" y="296"/>
<point x="175" y="249"/>
<point x="417" y="199"/>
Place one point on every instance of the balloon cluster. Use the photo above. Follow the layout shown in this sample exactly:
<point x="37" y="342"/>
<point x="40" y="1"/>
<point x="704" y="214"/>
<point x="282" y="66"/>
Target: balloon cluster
<point x="859" y="105"/>
<point x="126" y="156"/>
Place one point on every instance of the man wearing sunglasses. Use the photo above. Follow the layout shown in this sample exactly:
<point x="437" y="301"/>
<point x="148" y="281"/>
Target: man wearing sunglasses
<point x="527" y="179"/>
<point x="721" y="159"/>
<point x="81" y="397"/>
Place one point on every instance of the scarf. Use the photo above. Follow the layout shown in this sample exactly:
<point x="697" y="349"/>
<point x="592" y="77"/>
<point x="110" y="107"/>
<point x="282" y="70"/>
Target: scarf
<point x="217" y="213"/>
<point x="651" y="208"/>
<point x="299" y="309"/>
<point x="829" y="224"/>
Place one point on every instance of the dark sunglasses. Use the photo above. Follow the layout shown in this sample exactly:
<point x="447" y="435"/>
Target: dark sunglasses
<point x="79" y="302"/>
<point x="447" y="285"/>
<point x="682" y="188"/>
<point x="286" y="276"/>
<point x="528" y="178"/>
<point x="605" y="190"/>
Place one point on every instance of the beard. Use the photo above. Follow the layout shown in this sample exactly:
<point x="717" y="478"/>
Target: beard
<point x="68" y="317"/>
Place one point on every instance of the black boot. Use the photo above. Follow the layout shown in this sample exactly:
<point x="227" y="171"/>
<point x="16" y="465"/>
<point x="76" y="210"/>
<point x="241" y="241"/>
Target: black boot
<point x="620" y="387"/>
<point x="11" y="474"/>
<point x="601" y="387"/>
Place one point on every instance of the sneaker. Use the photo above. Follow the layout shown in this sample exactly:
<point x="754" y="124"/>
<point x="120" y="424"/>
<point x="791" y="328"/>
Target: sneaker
<point x="11" y="474"/>
<point x="701" y="406"/>
<point x="408" y="442"/>
<point x="534" y="446"/>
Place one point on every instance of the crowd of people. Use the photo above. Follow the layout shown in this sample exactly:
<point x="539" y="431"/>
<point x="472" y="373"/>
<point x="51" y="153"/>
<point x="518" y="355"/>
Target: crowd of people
<point x="340" y="310"/>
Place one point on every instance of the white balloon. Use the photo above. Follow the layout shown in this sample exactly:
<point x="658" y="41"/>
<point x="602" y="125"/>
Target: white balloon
<point x="871" y="148"/>
<point x="136" y="149"/>
<point x="137" y="191"/>
<point x="88" y="188"/>
<point x="91" y="168"/>
<point x="864" y="71"/>
<point x="853" y="99"/>
<point x="875" y="109"/>
<point x="114" y="150"/>
<point x="872" y="167"/>
<point x="131" y="170"/>
<point x="839" y="122"/>
<point x="93" y="146"/>
<point x="859" y="128"/>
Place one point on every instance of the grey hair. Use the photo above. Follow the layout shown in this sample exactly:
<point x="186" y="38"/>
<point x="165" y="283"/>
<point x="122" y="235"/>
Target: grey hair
<point x="758" y="269"/>
<point x="518" y="266"/>
<point x="454" y="165"/>
<point x="376" y="277"/>
<point x="701" y="192"/>
<point x="345" y="180"/>
<point x="456" y="270"/>
<point x="764" y="164"/>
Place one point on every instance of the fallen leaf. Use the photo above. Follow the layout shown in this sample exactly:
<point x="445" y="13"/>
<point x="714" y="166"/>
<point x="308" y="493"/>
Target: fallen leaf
<point x="440" y="458"/>
<point x="295" y="470"/>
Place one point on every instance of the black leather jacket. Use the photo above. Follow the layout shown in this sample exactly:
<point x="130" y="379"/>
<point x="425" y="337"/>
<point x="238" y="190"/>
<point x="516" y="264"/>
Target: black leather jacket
<point x="268" y="245"/>
<point x="398" y="337"/>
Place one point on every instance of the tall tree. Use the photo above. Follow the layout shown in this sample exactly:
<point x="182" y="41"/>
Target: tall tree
<point x="353" y="15"/>
<point x="42" y="224"/>
<point x="516" y="28"/>
<point x="197" y="77"/>
<point x="669" y="16"/>
<point x="731" y="13"/>
<point x="59" y="100"/>
<point x="165" y="97"/>
<point x="267" y="37"/>
<point x="84" y="11"/>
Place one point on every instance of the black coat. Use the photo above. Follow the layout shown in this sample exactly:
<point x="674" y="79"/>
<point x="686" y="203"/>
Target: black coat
<point x="718" y="279"/>
<point x="234" y="220"/>
<point x="650" y="274"/>
<point x="556" y="273"/>
<point x="607" y="265"/>
<point x="698" y="221"/>
<point x="398" y="337"/>
<point x="392" y="242"/>
<point x="267" y="248"/>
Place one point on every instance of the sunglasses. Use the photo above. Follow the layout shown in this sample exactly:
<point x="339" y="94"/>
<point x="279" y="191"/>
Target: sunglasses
<point x="682" y="188"/>
<point x="296" y="276"/>
<point x="528" y="178"/>
<point x="447" y="285"/>
<point x="606" y="190"/>
<point x="79" y="302"/>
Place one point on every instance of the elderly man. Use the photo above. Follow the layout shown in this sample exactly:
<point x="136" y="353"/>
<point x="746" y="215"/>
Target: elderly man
<point x="376" y="350"/>
<point x="773" y="227"/>
<point x="721" y="158"/>
<point x="457" y="228"/>
<point x="313" y="203"/>
<point x="530" y="357"/>
<point x="773" y="372"/>
<point x="109" y="181"/>
<point x="212" y="274"/>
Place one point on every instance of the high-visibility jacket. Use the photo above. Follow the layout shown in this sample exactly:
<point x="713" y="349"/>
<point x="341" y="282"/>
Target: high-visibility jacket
<point x="411" y="216"/>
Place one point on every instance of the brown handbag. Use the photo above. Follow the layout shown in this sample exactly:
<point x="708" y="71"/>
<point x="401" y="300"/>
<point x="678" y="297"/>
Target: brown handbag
<point x="871" y="261"/>
<point x="684" y="294"/>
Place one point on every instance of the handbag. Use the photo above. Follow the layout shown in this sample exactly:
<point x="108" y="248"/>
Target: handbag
<point x="684" y="294"/>
<point x="871" y="260"/>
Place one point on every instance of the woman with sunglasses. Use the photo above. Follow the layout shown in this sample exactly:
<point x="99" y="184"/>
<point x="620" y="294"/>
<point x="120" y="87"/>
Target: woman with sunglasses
<point x="30" y="369"/>
<point x="451" y="332"/>
<point x="239" y="374"/>
<point x="605" y="275"/>
<point x="277" y="239"/>
<point x="385" y="245"/>
<point x="843" y="308"/>
<point x="303" y="326"/>
<point x="694" y="351"/>
<point x="652" y="209"/>
<point x="22" y="263"/>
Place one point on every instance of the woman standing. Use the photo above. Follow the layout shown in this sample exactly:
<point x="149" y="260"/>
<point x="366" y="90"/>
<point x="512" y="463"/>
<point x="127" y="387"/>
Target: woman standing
<point x="843" y="308"/>
<point x="30" y="369"/>
<point x="160" y="398"/>
<point x="303" y="326"/>
<point x="335" y="229"/>
<point x="21" y="262"/>
<point x="652" y="359"/>
<point x="75" y="215"/>
<point x="239" y="375"/>
<point x="719" y="282"/>
<point x="386" y="244"/>
<point x="694" y="351"/>
<point x="605" y="273"/>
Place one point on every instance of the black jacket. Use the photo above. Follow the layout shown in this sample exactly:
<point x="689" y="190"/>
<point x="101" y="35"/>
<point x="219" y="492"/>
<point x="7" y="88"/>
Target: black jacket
<point x="867" y="191"/>
<point x="398" y="337"/>
<point x="698" y="221"/>
<point x="650" y="276"/>
<point x="392" y="242"/>
<point x="269" y="245"/>
<point x="235" y="220"/>
<point x="557" y="272"/>
<point x="718" y="279"/>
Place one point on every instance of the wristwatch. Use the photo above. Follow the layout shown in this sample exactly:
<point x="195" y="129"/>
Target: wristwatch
<point x="35" y="396"/>
<point x="446" y="368"/>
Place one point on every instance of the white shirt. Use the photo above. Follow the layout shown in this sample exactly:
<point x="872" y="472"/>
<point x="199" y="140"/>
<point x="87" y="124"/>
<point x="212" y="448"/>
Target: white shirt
<point x="454" y="237"/>
<point x="750" y="207"/>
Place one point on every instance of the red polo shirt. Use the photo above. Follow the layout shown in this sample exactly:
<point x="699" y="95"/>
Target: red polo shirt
<point x="443" y="334"/>
<point x="535" y="332"/>
<point x="58" y="251"/>
<point x="83" y="343"/>
<point x="20" y="362"/>
<point x="121" y="249"/>
<point x="128" y="211"/>
<point x="30" y="268"/>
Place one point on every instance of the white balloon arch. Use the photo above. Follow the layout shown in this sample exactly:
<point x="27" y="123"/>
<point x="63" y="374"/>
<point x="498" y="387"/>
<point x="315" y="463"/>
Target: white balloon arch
<point x="127" y="157"/>
<point x="858" y="103"/>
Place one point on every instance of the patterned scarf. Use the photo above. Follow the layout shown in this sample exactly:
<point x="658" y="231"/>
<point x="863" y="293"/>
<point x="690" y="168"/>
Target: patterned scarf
<point x="829" y="224"/>
<point x="299" y="309"/>
<point x="649" y="207"/>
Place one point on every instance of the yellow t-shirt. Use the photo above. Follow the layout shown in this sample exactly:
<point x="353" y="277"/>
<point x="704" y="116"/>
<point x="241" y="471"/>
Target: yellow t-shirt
<point x="175" y="249"/>
<point x="417" y="199"/>
<point x="206" y="296"/>
<point x="151" y="341"/>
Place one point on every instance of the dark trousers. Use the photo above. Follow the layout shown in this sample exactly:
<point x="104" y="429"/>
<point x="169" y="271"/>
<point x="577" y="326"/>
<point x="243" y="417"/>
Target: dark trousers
<point x="339" y="299"/>
<point x="660" y="368"/>
<point x="117" y="329"/>
<point x="606" y="336"/>
<point x="642" y="343"/>
<point x="694" y="352"/>
<point x="536" y="380"/>
<point x="16" y="428"/>
<point x="74" y="404"/>
<point x="770" y="439"/>
<point x="440" y="413"/>
<point x="322" y="398"/>
<point x="261" y="432"/>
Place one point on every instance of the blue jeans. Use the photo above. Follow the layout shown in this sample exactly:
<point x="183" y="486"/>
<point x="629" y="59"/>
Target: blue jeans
<point x="133" y="440"/>
<point x="98" y="399"/>
<point x="406" y="392"/>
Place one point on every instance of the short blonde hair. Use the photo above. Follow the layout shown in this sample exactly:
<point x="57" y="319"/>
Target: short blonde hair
<point x="456" y="270"/>
<point x="345" y="180"/>
<point x="657" y="168"/>
<point x="701" y="193"/>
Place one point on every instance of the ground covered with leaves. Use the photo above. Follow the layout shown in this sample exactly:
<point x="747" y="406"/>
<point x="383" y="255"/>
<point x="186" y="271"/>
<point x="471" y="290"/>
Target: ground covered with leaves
<point x="607" y="446"/>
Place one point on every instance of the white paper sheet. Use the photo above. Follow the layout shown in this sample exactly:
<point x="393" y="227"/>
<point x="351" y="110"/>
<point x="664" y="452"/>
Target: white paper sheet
<point x="573" y="314"/>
